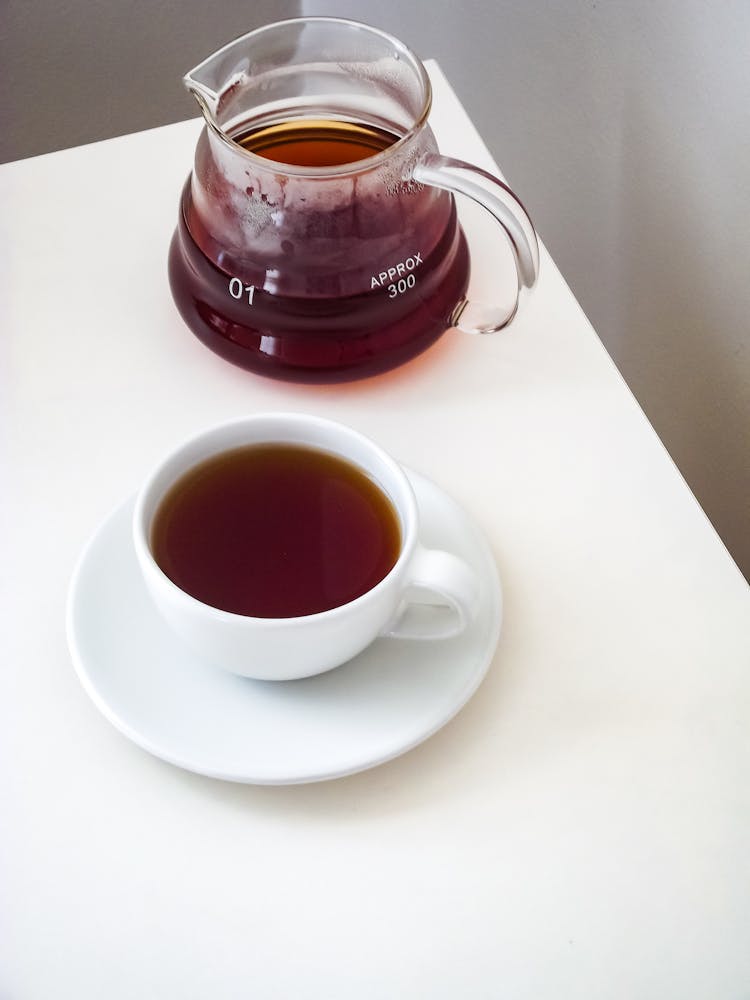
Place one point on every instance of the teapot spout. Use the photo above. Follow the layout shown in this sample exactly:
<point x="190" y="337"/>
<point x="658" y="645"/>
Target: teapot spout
<point x="205" y="95"/>
<point x="220" y="73"/>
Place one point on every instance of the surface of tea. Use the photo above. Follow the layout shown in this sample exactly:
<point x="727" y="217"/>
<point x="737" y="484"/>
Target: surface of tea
<point x="275" y="531"/>
<point x="316" y="142"/>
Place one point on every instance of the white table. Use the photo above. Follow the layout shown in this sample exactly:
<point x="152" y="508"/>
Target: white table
<point x="580" y="830"/>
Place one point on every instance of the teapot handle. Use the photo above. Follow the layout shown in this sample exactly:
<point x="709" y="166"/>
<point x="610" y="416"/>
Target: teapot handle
<point x="491" y="193"/>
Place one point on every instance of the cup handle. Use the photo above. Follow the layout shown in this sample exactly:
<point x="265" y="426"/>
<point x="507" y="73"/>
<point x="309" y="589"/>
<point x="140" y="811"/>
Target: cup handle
<point x="492" y="194"/>
<point x="441" y="599"/>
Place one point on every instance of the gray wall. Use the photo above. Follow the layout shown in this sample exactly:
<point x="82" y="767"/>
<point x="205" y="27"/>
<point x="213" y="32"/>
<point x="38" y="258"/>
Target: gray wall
<point x="74" y="71"/>
<point x="624" y="127"/>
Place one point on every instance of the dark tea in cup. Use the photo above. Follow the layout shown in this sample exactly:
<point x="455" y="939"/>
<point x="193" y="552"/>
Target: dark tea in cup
<point x="275" y="531"/>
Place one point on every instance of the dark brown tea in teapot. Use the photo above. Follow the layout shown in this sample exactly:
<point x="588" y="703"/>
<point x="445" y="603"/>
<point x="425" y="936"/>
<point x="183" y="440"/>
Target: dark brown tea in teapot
<point x="318" y="238"/>
<point x="316" y="142"/>
<point x="327" y="306"/>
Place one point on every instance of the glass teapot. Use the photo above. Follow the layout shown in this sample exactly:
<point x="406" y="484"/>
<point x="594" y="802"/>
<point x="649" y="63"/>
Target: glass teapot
<point x="318" y="238"/>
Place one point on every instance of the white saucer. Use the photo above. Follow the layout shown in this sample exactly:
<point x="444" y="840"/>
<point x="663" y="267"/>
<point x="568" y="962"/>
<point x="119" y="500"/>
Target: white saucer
<point x="379" y="705"/>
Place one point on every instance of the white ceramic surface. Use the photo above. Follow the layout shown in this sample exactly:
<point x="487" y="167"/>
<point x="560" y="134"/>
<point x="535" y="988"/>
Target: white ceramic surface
<point x="385" y="701"/>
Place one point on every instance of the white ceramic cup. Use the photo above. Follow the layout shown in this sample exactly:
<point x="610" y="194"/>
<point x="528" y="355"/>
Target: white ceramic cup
<point x="428" y="594"/>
